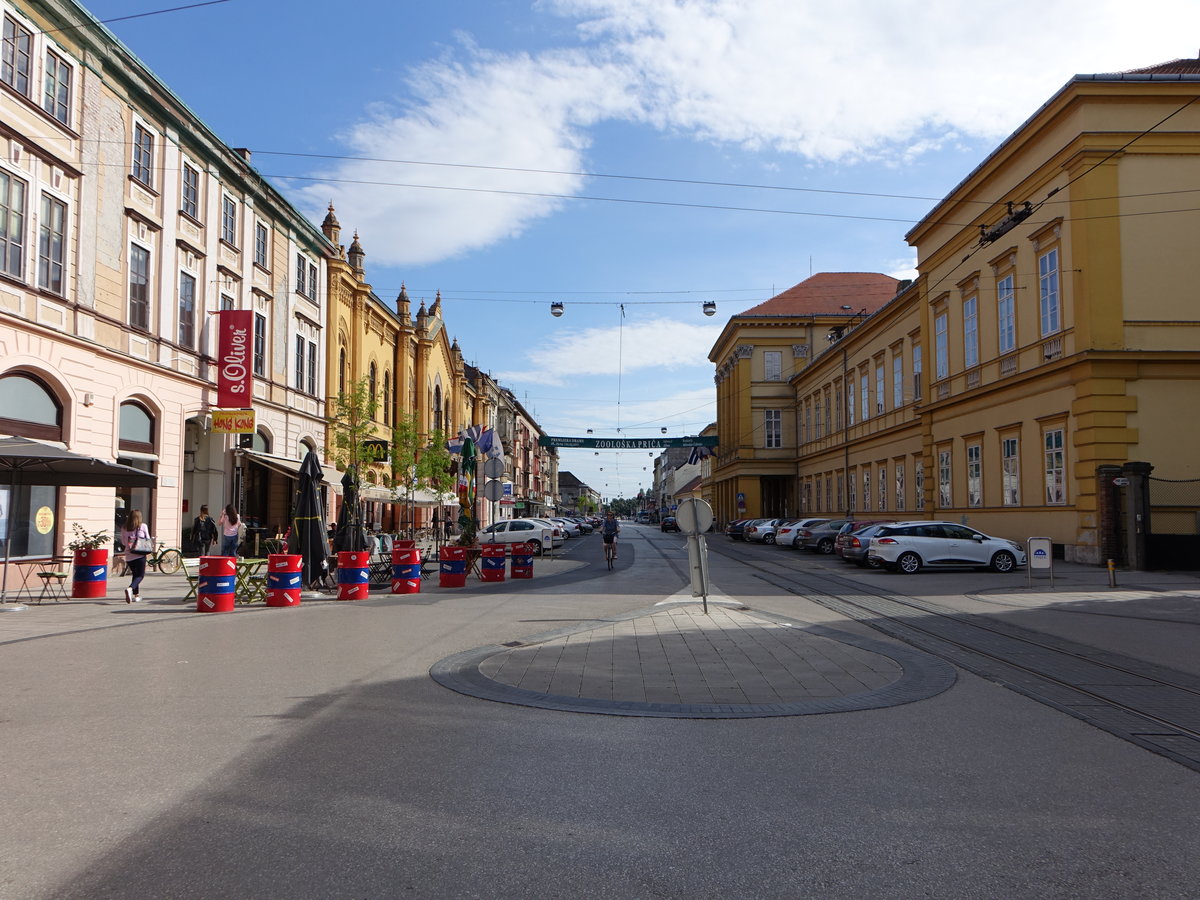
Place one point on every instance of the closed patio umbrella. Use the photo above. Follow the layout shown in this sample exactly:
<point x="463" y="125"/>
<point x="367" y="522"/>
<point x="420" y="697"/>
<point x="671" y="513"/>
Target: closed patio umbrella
<point x="349" y="534"/>
<point x="308" y="536"/>
<point x="26" y="461"/>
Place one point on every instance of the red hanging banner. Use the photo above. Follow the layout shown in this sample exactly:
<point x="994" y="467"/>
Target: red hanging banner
<point x="233" y="358"/>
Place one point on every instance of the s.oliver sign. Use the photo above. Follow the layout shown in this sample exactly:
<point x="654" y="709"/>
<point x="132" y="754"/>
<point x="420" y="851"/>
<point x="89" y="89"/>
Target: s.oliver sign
<point x="234" y="346"/>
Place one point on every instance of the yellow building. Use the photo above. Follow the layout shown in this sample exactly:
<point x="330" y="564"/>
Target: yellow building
<point x="1044" y="363"/>
<point x="754" y="472"/>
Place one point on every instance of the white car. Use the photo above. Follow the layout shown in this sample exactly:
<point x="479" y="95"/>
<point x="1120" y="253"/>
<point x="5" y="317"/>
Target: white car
<point x="570" y="529"/>
<point x="910" y="546"/>
<point x="559" y="535"/>
<point x="513" y="531"/>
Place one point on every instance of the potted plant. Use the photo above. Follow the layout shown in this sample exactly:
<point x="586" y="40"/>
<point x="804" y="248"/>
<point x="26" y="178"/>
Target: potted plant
<point x="91" y="562"/>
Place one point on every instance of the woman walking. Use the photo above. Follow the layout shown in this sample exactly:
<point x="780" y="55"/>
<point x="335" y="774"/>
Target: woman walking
<point x="228" y="523"/>
<point x="135" y="560"/>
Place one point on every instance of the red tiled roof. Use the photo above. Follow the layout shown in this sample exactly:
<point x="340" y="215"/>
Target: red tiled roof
<point x="1174" y="67"/>
<point x="826" y="293"/>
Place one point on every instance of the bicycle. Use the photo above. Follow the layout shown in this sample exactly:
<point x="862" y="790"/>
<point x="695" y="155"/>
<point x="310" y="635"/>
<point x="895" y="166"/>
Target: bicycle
<point x="167" y="560"/>
<point x="610" y="552"/>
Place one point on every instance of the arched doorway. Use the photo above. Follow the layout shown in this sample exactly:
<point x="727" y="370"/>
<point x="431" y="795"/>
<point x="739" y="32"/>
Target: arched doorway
<point x="29" y="408"/>
<point x="137" y="448"/>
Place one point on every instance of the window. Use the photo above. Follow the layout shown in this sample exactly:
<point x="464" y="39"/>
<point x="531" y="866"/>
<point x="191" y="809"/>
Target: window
<point x="187" y="310"/>
<point x="260" y="345"/>
<point x="56" y="95"/>
<point x="900" y="486"/>
<point x="312" y="282"/>
<point x="971" y="333"/>
<point x="52" y="244"/>
<point x="139" y="287"/>
<point x="191" y="192"/>
<point x="1006" y="322"/>
<point x="143" y="155"/>
<point x="773" y="428"/>
<point x="838" y="408"/>
<point x="916" y="372"/>
<point x="879" y="388"/>
<point x="817" y="429"/>
<point x="974" y="475"/>
<point x="136" y="435"/>
<point x="228" y="302"/>
<point x="772" y="365"/>
<point x="1048" y="291"/>
<point x="387" y="397"/>
<point x="312" y="368"/>
<point x="1011" y="465"/>
<point x="898" y="380"/>
<point x="864" y="396"/>
<point x="945" y="494"/>
<point x="341" y="370"/>
<point x="851" y="492"/>
<point x="882" y="488"/>
<point x="941" y="346"/>
<point x="12" y="225"/>
<point x="29" y="408"/>
<point x="849" y="402"/>
<point x="866" y="489"/>
<point x="15" y="63"/>
<point x="301" y="274"/>
<point x="807" y="424"/>
<point x="229" y="221"/>
<point x="262" y="245"/>
<point x="301" y="351"/>
<point x="371" y="384"/>
<point x="1056" y="484"/>
<point x="919" y="471"/>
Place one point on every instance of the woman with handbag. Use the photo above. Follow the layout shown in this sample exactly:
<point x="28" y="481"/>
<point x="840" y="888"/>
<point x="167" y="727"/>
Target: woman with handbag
<point x="138" y="545"/>
<point x="230" y="531"/>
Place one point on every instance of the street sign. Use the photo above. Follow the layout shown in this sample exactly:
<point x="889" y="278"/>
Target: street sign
<point x="493" y="467"/>
<point x="547" y="440"/>
<point x="1121" y="482"/>
<point x="493" y="490"/>
<point x="694" y="516"/>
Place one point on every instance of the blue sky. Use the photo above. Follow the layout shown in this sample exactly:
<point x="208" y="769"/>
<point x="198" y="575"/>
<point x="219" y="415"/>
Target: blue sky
<point x="822" y="108"/>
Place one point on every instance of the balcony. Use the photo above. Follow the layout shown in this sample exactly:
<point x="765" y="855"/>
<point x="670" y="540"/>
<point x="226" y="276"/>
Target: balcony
<point x="1052" y="349"/>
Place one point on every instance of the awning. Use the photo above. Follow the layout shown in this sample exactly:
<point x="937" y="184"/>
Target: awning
<point x="280" y="464"/>
<point x="332" y="477"/>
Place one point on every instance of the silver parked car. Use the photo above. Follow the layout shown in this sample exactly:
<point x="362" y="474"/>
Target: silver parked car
<point x="820" y="538"/>
<point x="787" y="534"/>
<point x="910" y="546"/>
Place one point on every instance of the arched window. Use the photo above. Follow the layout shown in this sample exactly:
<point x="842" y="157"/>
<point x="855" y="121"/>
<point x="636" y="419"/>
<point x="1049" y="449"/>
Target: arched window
<point x="307" y="446"/>
<point x="387" y="397"/>
<point x="29" y="408"/>
<point x="342" y="370"/>
<point x="437" y="407"/>
<point x="260" y="442"/>
<point x="371" y="384"/>
<point x="136" y="435"/>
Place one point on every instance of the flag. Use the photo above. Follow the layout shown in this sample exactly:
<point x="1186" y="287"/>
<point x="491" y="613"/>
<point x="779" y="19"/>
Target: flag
<point x="473" y="432"/>
<point x="697" y="454"/>
<point x="455" y="446"/>
<point x="484" y="441"/>
<point x="496" y="450"/>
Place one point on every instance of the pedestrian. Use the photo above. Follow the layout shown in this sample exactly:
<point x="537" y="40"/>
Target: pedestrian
<point x="133" y="531"/>
<point x="229" y="525"/>
<point x="204" y="531"/>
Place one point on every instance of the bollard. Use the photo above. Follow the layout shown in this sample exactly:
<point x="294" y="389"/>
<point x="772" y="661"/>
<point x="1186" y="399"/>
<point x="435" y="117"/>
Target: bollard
<point x="492" y="556"/>
<point x="522" y="560"/>
<point x="354" y="574"/>
<point x="406" y="569"/>
<point x="1112" y="574"/>
<point x="452" y="569"/>
<point x="218" y="578"/>
<point x="90" y="578"/>
<point x="285" y="577"/>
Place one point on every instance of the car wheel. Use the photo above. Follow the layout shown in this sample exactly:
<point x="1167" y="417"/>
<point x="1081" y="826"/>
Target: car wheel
<point x="825" y="545"/>
<point x="1004" y="562"/>
<point x="537" y="547"/>
<point x="873" y="563"/>
<point x="768" y="539"/>
<point x="909" y="563"/>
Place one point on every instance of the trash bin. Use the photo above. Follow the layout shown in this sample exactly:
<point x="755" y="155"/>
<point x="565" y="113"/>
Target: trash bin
<point x="354" y="574"/>
<point x="522" y="560"/>
<point x="406" y="569"/>
<point x="90" y="575"/>
<point x="493" y="558"/>
<point x="285" y="575"/>
<point x="452" y="569"/>
<point x="218" y="579"/>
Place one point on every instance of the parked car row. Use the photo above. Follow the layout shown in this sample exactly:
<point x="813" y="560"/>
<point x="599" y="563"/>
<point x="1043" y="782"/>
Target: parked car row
<point x="904" y="547"/>
<point x="544" y="533"/>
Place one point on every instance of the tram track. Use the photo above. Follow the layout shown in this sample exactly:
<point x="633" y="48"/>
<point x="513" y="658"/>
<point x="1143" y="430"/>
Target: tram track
<point x="1152" y="706"/>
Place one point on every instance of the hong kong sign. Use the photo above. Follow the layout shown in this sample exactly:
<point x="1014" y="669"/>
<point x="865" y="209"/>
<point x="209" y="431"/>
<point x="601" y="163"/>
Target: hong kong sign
<point x="233" y="358"/>
<point x="233" y="421"/>
<point x="625" y="443"/>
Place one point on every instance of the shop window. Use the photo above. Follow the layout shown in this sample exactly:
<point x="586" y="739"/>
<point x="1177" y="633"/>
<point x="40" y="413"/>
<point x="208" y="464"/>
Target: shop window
<point x="27" y="511"/>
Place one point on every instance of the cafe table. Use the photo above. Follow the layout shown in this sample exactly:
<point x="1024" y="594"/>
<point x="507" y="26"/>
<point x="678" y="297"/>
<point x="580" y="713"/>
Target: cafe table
<point x="250" y="585"/>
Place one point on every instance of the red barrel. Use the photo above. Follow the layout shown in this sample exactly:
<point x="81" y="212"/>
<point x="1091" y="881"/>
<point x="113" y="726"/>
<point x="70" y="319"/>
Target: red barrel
<point x="90" y="578"/>
<point x="406" y="569"/>
<point x="452" y="566"/>
<point x="218" y="578"/>
<point x="354" y="574"/>
<point x="522" y="564"/>
<point x="285" y="578"/>
<point x="493" y="562"/>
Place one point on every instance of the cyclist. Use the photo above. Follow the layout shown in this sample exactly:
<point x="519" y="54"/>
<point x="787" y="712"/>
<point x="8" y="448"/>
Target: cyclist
<point x="610" y="530"/>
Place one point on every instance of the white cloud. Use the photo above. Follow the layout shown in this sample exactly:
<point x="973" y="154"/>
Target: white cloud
<point x="656" y="343"/>
<point x="855" y="80"/>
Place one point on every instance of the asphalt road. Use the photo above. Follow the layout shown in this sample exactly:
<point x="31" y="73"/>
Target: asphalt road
<point x="307" y="753"/>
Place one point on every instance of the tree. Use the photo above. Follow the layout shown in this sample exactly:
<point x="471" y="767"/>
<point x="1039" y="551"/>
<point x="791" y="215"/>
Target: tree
<point x="416" y="463"/>
<point x="351" y="425"/>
